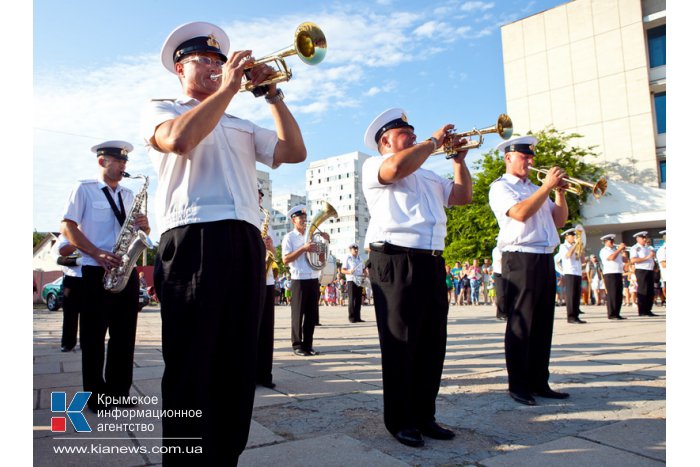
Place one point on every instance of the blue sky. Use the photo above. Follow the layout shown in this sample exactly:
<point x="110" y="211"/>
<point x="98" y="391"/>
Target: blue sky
<point x="97" y="63"/>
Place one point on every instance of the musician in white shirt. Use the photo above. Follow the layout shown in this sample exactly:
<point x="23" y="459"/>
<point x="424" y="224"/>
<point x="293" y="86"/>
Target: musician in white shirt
<point x="570" y="259"/>
<point x="353" y="268"/>
<point x="642" y="257"/>
<point x="613" y="266"/>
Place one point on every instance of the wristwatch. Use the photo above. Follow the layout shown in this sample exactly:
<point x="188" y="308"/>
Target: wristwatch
<point x="433" y="140"/>
<point x="279" y="97"/>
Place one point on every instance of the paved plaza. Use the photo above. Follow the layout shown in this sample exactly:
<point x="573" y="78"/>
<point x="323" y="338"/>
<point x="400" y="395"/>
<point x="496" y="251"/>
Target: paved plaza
<point x="327" y="410"/>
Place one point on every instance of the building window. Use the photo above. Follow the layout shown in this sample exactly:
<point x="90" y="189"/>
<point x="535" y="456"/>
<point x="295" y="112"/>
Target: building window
<point x="656" y="39"/>
<point x="662" y="172"/>
<point x="660" y="110"/>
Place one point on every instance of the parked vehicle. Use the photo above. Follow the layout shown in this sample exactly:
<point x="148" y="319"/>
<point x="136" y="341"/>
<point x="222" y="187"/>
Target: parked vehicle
<point x="52" y="295"/>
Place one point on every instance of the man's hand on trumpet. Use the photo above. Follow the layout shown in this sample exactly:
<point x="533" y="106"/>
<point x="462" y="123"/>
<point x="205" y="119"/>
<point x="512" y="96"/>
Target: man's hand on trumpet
<point x="554" y="180"/>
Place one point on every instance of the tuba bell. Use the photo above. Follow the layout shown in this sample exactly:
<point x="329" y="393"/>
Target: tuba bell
<point x="317" y="260"/>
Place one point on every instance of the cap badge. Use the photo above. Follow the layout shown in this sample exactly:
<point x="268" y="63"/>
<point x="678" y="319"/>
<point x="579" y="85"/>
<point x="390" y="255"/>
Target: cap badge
<point x="212" y="42"/>
<point x="404" y="117"/>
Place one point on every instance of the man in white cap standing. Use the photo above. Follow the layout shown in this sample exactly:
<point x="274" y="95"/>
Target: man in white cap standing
<point x="207" y="206"/>
<point x="571" y="265"/>
<point x="642" y="256"/>
<point x="406" y="236"/>
<point x="305" y="284"/>
<point x="93" y="218"/>
<point x="528" y="221"/>
<point x="613" y="266"/>
<point x="353" y="268"/>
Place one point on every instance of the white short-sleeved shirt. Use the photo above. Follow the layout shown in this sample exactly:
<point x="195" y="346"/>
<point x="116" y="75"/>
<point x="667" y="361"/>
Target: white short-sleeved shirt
<point x="496" y="260"/>
<point x="88" y="207"/>
<point x="408" y="213"/>
<point x="299" y="268"/>
<point x="217" y="179"/>
<point x="639" y="251"/>
<point x="661" y="256"/>
<point x="72" y="271"/>
<point x="616" y="266"/>
<point x="538" y="234"/>
<point x="353" y="263"/>
<point x="571" y="265"/>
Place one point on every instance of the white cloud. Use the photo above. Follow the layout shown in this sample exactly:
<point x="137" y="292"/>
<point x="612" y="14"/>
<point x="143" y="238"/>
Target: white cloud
<point x="477" y="6"/>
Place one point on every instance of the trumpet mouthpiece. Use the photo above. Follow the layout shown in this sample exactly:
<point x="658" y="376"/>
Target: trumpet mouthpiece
<point x="215" y="76"/>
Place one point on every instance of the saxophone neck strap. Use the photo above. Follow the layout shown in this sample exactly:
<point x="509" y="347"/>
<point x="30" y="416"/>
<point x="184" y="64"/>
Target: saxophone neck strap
<point x="120" y="213"/>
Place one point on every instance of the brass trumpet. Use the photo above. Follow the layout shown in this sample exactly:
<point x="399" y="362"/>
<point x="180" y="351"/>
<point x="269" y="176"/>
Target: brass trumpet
<point x="503" y="126"/>
<point x="309" y="45"/>
<point x="576" y="185"/>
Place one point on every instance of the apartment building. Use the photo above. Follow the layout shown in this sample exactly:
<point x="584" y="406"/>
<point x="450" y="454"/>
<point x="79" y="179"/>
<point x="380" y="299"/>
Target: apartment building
<point x="280" y="224"/>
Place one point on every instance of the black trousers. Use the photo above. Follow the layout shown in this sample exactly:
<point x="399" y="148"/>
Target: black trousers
<point x="305" y="296"/>
<point x="645" y="291"/>
<point x="573" y="295"/>
<point x="72" y="304"/>
<point x="210" y="279"/>
<point x="530" y="288"/>
<point x="410" y="302"/>
<point x="613" y="284"/>
<point x="114" y="312"/>
<point x="266" y="337"/>
<point x="354" y="302"/>
<point x="500" y="296"/>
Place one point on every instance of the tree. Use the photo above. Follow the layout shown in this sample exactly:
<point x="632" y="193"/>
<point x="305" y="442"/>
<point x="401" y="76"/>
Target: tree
<point x="472" y="229"/>
<point x="38" y="237"/>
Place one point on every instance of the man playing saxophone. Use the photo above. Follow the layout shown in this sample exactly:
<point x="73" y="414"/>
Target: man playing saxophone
<point x="94" y="214"/>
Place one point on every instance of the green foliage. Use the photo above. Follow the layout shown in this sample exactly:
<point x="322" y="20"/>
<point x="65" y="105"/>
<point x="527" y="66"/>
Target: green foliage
<point x="472" y="229"/>
<point x="38" y="237"/>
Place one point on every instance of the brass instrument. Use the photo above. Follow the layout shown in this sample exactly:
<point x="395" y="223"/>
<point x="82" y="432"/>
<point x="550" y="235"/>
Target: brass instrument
<point x="130" y="242"/>
<point x="317" y="260"/>
<point x="580" y="243"/>
<point x="503" y="126"/>
<point x="270" y="256"/>
<point x="309" y="45"/>
<point x="576" y="185"/>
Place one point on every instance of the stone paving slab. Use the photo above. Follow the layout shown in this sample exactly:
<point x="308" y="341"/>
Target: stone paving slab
<point x="326" y="451"/>
<point x="329" y="408"/>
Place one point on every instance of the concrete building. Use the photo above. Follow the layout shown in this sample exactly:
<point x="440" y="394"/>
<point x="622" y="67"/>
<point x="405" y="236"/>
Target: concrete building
<point x="598" y="68"/>
<point x="337" y="181"/>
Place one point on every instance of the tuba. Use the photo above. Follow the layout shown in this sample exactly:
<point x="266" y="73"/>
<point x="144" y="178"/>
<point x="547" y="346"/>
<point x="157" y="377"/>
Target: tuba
<point x="317" y="260"/>
<point x="270" y="256"/>
<point x="131" y="241"/>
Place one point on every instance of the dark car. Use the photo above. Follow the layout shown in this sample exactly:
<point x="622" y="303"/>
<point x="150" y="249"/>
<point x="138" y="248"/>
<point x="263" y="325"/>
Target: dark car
<point x="52" y="294"/>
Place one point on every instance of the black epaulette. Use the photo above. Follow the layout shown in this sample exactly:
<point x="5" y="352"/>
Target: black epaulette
<point x="163" y="100"/>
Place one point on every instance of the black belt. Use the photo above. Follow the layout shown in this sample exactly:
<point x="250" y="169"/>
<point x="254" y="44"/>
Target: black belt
<point x="383" y="247"/>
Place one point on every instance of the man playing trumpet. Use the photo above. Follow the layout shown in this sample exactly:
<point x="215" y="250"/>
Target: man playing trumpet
<point x="528" y="221"/>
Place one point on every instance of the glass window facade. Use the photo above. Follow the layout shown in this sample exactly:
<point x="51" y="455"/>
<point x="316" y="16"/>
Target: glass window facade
<point x="656" y="38"/>
<point x="660" y="110"/>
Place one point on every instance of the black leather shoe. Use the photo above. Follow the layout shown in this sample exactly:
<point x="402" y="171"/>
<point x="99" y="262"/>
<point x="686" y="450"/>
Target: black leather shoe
<point x="301" y="353"/>
<point x="550" y="394"/>
<point x="66" y="349"/>
<point x="360" y="321"/>
<point x="523" y="398"/>
<point x="616" y="317"/>
<point x="313" y="352"/>
<point x="269" y="385"/>
<point x="435" y="431"/>
<point x="501" y="317"/>
<point x="649" y="314"/>
<point x="576" y="321"/>
<point x="410" y="437"/>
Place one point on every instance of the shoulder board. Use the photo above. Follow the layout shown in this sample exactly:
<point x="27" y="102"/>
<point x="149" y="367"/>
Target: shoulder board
<point x="231" y="116"/>
<point x="88" y="180"/>
<point x="162" y="100"/>
<point x="499" y="178"/>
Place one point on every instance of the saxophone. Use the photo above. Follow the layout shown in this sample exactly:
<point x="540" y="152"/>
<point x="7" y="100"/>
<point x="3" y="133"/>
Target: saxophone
<point x="130" y="242"/>
<point x="270" y="257"/>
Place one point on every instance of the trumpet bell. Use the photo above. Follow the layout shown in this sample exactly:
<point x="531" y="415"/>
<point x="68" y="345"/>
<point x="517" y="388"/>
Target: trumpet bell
<point x="310" y="43"/>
